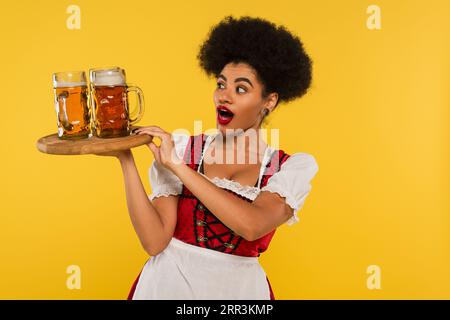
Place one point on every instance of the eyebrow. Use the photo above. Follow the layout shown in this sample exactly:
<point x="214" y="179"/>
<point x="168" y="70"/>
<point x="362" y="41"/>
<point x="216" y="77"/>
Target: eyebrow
<point x="237" y="79"/>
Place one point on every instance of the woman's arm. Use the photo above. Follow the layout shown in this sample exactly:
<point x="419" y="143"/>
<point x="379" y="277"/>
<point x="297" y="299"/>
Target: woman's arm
<point x="154" y="230"/>
<point x="249" y="220"/>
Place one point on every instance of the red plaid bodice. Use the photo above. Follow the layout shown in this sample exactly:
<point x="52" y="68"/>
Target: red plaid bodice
<point x="198" y="226"/>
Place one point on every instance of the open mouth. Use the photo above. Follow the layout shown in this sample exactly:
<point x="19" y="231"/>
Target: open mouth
<point x="224" y="115"/>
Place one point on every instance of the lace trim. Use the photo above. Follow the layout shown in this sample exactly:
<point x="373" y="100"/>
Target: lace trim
<point x="249" y="192"/>
<point x="166" y="190"/>
<point x="289" y="200"/>
<point x="252" y="192"/>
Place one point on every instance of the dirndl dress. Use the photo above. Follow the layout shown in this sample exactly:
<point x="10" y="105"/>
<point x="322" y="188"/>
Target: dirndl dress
<point x="205" y="259"/>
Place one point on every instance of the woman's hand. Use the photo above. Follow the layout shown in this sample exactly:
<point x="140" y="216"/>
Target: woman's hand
<point x="165" y="154"/>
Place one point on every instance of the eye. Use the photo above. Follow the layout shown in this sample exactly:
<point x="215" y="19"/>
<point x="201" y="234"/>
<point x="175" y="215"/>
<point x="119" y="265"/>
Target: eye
<point x="242" y="89"/>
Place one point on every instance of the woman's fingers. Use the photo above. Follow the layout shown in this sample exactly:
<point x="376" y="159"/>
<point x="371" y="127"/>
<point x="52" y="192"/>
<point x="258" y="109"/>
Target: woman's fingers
<point x="160" y="134"/>
<point x="149" y="128"/>
<point x="149" y="131"/>
<point x="164" y="152"/>
<point x="156" y="153"/>
<point x="152" y="132"/>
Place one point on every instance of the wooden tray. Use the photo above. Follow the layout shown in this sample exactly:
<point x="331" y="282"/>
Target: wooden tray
<point x="51" y="144"/>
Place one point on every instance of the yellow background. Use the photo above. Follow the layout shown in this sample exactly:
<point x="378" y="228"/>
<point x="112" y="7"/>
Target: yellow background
<point x="376" y="119"/>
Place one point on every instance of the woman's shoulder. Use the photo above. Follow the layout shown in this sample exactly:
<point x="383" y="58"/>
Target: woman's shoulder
<point x="289" y="161"/>
<point x="296" y="164"/>
<point x="293" y="180"/>
<point x="300" y="159"/>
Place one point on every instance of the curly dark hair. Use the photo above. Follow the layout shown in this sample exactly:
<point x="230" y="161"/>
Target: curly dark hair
<point x="278" y="56"/>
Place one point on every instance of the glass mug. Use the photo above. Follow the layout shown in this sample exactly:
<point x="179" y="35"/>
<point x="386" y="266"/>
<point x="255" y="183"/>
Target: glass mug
<point x="71" y="104"/>
<point x="109" y="101"/>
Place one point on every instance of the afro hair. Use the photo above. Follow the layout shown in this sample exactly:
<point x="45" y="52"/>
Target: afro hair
<point x="277" y="56"/>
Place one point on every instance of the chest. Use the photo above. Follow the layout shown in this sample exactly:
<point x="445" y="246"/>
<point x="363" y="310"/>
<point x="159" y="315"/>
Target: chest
<point x="246" y="174"/>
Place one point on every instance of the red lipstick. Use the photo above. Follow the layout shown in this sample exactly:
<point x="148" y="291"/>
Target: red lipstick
<point x="224" y="115"/>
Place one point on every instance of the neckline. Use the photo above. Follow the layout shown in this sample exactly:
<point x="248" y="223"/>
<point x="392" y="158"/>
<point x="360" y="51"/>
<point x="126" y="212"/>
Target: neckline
<point x="267" y="153"/>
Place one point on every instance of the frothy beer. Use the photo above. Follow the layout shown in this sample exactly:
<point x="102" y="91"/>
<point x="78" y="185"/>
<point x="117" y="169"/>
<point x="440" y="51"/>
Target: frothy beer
<point x="71" y="104"/>
<point x="110" y="100"/>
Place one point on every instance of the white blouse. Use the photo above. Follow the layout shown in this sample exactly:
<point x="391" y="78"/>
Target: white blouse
<point x="292" y="181"/>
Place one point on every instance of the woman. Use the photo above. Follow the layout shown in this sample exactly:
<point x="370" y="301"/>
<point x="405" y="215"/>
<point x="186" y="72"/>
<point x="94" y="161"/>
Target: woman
<point x="206" y="223"/>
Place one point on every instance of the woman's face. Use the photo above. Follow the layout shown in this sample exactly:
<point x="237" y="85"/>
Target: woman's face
<point x="239" y="90"/>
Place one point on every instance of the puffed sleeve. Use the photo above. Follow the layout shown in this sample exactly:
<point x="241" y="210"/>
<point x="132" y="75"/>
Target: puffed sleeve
<point x="293" y="181"/>
<point x="163" y="181"/>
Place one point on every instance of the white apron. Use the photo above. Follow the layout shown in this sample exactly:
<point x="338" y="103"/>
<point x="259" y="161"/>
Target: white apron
<point x="188" y="272"/>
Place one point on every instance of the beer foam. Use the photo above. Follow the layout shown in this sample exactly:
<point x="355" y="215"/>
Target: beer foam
<point x="111" y="79"/>
<point x="66" y="84"/>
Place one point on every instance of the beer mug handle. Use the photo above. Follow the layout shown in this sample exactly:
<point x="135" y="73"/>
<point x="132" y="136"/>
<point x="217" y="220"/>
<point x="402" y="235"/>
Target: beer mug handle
<point x="91" y="106"/>
<point x="62" y="96"/>
<point x="140" y="96"/>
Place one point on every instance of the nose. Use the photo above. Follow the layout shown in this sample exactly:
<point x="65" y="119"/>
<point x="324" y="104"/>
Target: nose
<point x="223" y="97"/>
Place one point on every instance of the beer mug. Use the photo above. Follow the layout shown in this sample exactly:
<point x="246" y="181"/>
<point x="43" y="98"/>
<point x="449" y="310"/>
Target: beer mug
<point x="71" y="104"/>
<point x="109" y="101"/>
